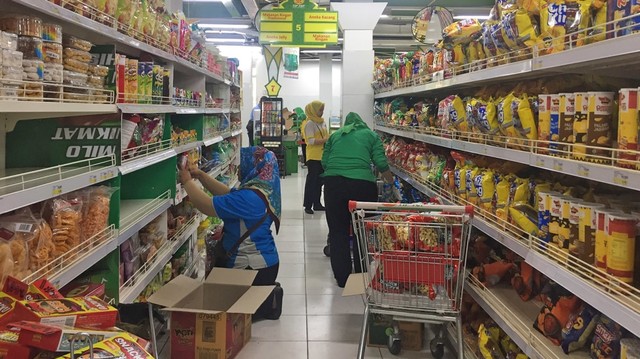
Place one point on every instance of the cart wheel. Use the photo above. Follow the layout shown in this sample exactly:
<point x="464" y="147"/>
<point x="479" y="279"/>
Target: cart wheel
<point x="394" y="345"/>
<point x="437" y="348"/>
<point x="327" y="250"/>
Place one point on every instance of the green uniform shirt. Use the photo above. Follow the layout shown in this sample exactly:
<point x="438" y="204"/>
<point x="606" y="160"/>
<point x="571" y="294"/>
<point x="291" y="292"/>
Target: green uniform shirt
<point x="350" y="151"/>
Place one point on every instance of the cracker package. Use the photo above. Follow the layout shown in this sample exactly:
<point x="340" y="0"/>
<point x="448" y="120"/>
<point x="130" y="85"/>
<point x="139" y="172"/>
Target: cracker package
<point x="122" y="346"/>
<point x="86" y="312"/>
<point x="57" y="339"/>
<point x="96" y="211"/>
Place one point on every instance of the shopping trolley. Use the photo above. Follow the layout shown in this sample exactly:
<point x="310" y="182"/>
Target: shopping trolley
<point x="414" y="256"/>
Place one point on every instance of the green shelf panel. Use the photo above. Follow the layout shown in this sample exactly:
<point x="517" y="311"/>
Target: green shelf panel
<point x="150" y="182"/>
<point x="187" y="122"/>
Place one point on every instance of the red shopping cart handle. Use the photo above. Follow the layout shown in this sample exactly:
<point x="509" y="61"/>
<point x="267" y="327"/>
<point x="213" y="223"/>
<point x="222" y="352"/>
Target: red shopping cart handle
<point x="353" y="205"/>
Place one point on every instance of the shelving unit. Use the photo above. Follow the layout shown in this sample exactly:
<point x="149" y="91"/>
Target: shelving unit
<point x="145" y="175"/>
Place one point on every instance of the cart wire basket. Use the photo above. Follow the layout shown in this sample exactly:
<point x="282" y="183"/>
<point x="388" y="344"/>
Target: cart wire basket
<point x="414" y="256"/>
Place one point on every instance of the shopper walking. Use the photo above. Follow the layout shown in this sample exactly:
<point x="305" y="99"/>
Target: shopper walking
<point x="257" y="200"/>
<point x="315" y="135"/>
<point x="347" y="159"/>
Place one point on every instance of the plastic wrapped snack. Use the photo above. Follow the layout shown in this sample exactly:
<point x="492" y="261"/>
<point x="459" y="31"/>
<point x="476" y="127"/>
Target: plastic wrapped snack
<point x="52" y="52"/>
<point x="34" y="70"/>
<point x="17" y="231"/>
<point x="75" y="78"/>
<point x="8" y="41"/>
<point x="52" y="92"/>
<point x="579" y="329"/>
<point x="31" y="92"/>
<point x="22" y="25"/>
<point x="75" y="54"/>
<point x="11" y="58"/>
<point x="53" y="73"/>
<point x="606" y="340"/>
<point x="95" y="81"/>
<point x="31" y="47"/>
<point x="65" y="224"/>
<point x="98" y="70"/>
<point x="96" y="215"/>
<point x="76" y="66"/>
<point x="461" y="32"/>
<point x="76" y="43"/>
<point x="11" y="73"/>
<point x="52" y="33"/>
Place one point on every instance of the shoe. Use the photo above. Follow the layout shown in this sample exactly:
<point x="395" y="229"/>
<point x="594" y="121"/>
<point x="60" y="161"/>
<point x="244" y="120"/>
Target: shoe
<point x="318" y="208"/>
<point x="308" y="211"/>
<point x="276" y="307"/>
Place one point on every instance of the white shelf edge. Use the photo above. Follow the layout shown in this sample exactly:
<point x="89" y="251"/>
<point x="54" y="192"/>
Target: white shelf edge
<point x="58" y="12"/>
<point x="212" y="141"/>
<point x="129" y="294"/>
<point x="17" y="110"/>
<point x="590" y="293"/>
<point x="126" y="233"/>
<point x="19" y="199"/>
<point x="145" y="108"/>
<point x="621" y="177"/>
<point x="213" y="111"/>
<point x="187" y="147"/>
<point x="188" y="110"/>
<point x="145" y="161"/>
<point x="86" y="261"/>
<point x="236" y="133"/>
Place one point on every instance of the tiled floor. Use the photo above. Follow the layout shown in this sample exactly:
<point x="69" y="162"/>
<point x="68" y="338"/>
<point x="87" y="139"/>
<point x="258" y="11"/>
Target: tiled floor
<point x="317" y="322"/>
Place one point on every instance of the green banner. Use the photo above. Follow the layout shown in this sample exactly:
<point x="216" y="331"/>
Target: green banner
<point x="298" y="23"/>
<point x="50" y="142"/>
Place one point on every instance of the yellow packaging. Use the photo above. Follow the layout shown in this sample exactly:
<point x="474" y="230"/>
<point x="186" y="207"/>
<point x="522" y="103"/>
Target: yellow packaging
<point x="457" y="115"/>
<point x="505" y="117"/>
<point x="518" y="30"/>
<point x="580" y="124"/>
<point x="587" y="231"/>
<point x="555" y="218"/>
<point x="621" y="245"/>
<point x="461" y="31"/>
<point x="599" y="126"/>
<point x="502" y="198"/>
<point x="544" y="122"/>
<point x="460" y="179"/>
<point x="521" y="193"/>
<point x="627" y="127"/>
<point x="472" y="195"/>
<point x="598" y="11"/>
<point x="525" y="217"/>
<point x="527" y="125"/>
<point x="602" y="227"/>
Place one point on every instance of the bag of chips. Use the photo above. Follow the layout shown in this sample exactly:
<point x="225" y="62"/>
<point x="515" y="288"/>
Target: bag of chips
<point x="606" y="340"/>
<point x="579" y="329"/>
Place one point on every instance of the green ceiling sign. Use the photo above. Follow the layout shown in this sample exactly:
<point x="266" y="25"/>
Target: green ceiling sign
<point x="298" y="23"/>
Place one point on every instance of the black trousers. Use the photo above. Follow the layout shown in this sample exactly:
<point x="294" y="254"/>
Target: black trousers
<point x="266" y="276"/>
<point x="313" y="185"/>
<point x="304" y="153"/>
<point x="250" y="134"/>
<point x="338" y="192"/>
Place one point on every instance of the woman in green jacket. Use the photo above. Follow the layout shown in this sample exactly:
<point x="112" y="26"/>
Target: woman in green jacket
<point x="347" y="158"/>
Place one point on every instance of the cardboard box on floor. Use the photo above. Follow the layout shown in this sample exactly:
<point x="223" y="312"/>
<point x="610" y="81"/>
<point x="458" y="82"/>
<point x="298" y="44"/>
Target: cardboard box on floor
<point x="411" y="333"/>
<point x="211" y="319"/>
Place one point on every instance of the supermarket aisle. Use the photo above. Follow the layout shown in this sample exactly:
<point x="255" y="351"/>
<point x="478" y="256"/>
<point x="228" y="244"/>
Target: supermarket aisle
<point x="317" y="322"/>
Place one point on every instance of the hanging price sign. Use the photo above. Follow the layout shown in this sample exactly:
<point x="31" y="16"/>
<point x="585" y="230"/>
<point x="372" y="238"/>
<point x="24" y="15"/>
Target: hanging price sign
<point x="298" y="23"/>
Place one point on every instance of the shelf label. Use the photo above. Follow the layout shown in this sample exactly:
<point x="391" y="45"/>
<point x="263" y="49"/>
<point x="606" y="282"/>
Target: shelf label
<point x="583" y="171"/>
<point x="56" y="190"/>
<point x="620" y="178"/>
<point x="108" y="174"/>
<point x="540" y="161"/>
<point x="93" y="179"/>
<point x="557" y="165"/>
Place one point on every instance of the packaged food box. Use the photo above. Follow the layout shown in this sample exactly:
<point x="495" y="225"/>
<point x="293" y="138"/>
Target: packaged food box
<point x="85" y="312"/>
<point x="131" y="81"/>
<point x="156" y="84"/>
<point x="57" y="339"/>
<point x="52" y="33"/>
<point x="121" y="346"/>
<point x="40" y="289"/>
<point x="7" y="308"/>
<point x="10" y="348"/>
<point x="76" y="289"/>
<point x="219" y="326"/>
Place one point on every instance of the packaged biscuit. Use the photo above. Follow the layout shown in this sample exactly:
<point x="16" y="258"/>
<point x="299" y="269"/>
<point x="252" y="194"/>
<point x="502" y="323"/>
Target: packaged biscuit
<point x="456" y="114"/>
<point x="89" y="312"/>
<point x="627" y="127"/>
<point x="565" y="123"/>
<point x="122" y="346"/>
<point x="544" y="214"/>
<point x="554" y="127"/>
<point x="580" y="124"/>
<point x="544" y="122"/>
<point x="599" y="126"/>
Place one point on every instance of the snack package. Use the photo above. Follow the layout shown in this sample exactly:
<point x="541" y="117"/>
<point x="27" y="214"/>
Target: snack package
<point x="517" y="30"/>
<point x="556" y="312"/>
<point x="96" y="211"/>
<point x="606" y="340"/>
<point x="502" y="198"/>
<point x="65" y="222"/>
<point x="492" y="273"/>
<point x="461" y="32"/>
<point x="597" y="22"/>
<point x="488" y="342"/>
<point x="17" y="233"/>
<point x="471" y="193"/>
<point x="579" y="329"/>
<point x="525" y="124"/>
<point x="527" y="282"/>
<point x="85" y="312"/>
<point x="485" y="188"/>
<point x="121" y="346"/>
<point x="525" y="217"/>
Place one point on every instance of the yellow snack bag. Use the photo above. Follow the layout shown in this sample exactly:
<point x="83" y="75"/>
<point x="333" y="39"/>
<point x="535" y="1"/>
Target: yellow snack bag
<point x="459" y="181"/>
<point x="518" y="31"/>
<point x="598" y="20"/>
<point x="472" y="195"/>
<point x="486" y="188"/>
<point x="505" y="117"/>
<point x="526" y="125"/>
<point x="502" y="197"/>
<point x="458" y="115"/>
<point x="520" y="190"/>
<point x="525" y="217"/>
<point x="492" y="117"/>
<point x="459" y="57"/>
<point x="461" y="32"/>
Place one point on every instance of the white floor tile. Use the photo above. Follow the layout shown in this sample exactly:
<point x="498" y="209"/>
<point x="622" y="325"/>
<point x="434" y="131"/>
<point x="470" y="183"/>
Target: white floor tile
<point x="291" y="270"/>
<point x="322" y="285"/>
<point x="273" y="350"/>
<point x="287" y="328"/>
<point x="339" y="328"/>
<point x="324" y="350"/>
<point x="332" y="304"/>
<point x="290" y="232"/>
<point x="292" y="285"/>
<point x="294" y="304"/>
<point x="291" y="257"/>
<point x="290" y="247"/>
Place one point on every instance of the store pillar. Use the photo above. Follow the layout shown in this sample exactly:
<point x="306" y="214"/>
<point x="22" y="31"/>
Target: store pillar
<point x="357" y="21"/>
<point x="326" y="89"/>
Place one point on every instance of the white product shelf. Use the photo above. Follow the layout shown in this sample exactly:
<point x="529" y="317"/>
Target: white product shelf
<point x="187" y="147"/>
<point x="131" y="289"/>
<point x="188" y="110"/>
<point x="604" y="173"/>
<point x="617" y="300"/>
<point x="145" y="108"/>
<point x="137" y="213"/>
<point x="585" y="59"/>
<point x="235" y="133"/>
<point x="213" y="110"/>
<point x="21" y="187"/>
<point x="516" y="318"/>
<point x="146" y="155"/>
<point x="99" y="33"/>
<point x="213" y="140"/>
<point x="22" y="110"/>
<point x="67" y="267"/>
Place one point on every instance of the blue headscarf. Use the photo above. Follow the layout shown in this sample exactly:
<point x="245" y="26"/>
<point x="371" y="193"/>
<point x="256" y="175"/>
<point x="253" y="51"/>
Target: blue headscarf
<point x="259" y="172"/>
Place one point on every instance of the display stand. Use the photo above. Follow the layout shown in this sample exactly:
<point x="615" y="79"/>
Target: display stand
<point x="271" y="129"/>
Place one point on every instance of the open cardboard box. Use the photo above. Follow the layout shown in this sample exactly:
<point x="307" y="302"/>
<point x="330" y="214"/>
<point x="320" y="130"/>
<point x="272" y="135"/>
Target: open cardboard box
<point x="211" y="318"/>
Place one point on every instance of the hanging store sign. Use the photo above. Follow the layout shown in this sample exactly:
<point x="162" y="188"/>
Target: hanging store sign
<point x="298" y="23"/>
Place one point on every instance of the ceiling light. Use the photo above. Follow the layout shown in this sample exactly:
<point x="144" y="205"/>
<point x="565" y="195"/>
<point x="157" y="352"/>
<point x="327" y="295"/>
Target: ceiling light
<point x="224" y="26"/>
<point x="384" y="16"/>
<point x="321" y="51"/>
<point x="469" y="17"/>
<point x="225" y="40"/>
